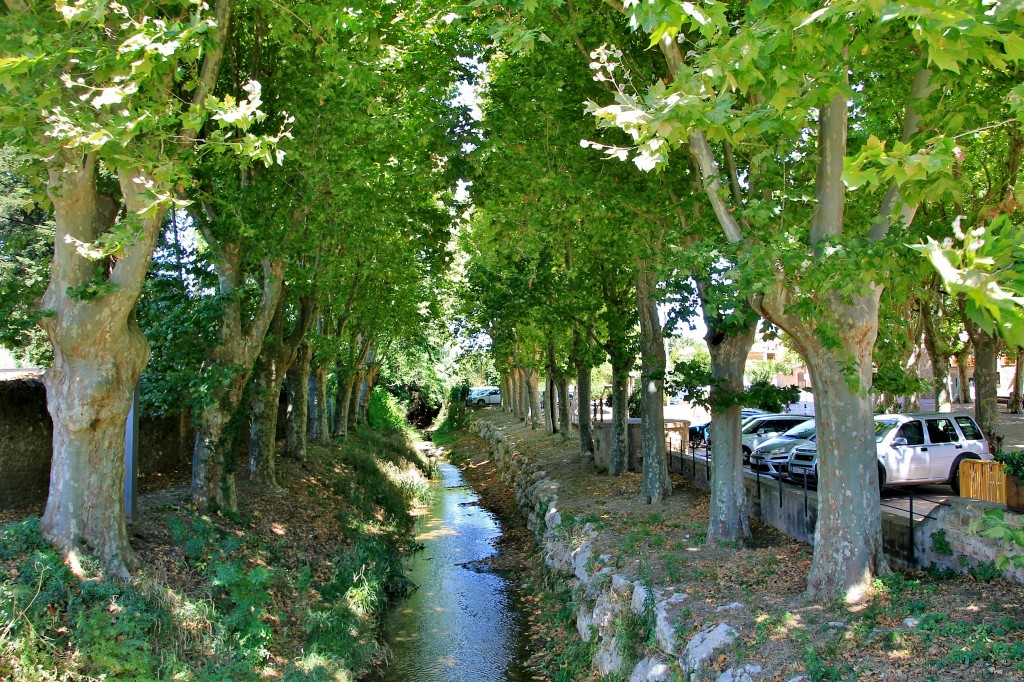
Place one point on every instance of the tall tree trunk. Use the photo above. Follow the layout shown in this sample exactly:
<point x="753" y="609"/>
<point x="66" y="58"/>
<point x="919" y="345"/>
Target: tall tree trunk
<point x="939" y="357"/>
<point x="563" y="407"/>
<point x="237" y="347"/>
<point x="532" y="380"/>
<point x="98" y="356"/>
<point x="656" y="484"/>
<point x="507" y="403"/>
<point x="319" y="424"/>
<point x="620" y="395"/>
<point x="263" y="404"/>
<point x="848" y="550"/>
<point x="279" y="351"/>
<point x="1017" y="395"/>
<point x="729" y="348"/>
<point x="986" y="379"/>
<point x="298" y="422"/>
<point x="353" y="402"/>
<point x="522" y="400"/>
<point x="583" y="387"/>
<point x="964" y="394"/>
<point x="550" y="402"/>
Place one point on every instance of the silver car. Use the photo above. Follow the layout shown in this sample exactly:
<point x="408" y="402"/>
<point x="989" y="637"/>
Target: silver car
<point x="771" y="457"/>
<point x="760" y="428"/>
<point x="912" y="449"/>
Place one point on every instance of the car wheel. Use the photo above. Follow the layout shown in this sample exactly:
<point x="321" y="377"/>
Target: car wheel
<point x="954" y="475"/>
<point x="746" y="455"/>
<point x="881" y="477"/>
<point x="481" y="403"/>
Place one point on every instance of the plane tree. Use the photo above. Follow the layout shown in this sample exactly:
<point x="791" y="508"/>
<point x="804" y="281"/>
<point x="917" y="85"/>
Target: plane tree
<point x="769" y="98"/>
<point x="108" y="104"/>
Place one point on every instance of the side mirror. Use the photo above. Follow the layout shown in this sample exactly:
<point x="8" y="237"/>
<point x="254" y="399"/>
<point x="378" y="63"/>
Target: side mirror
<point x="899" y="441"/>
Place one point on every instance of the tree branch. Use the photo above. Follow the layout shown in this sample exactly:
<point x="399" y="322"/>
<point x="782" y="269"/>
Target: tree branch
<point x="919" y="91"/>
<point x="829" y="190"/>
<point x="211" y="62"/>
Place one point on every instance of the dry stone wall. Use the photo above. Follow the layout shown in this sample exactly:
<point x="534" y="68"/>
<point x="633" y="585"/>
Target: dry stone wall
<point x="606" y="597"/>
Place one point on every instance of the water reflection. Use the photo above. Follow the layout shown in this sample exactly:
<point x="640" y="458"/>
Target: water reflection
<point x="461" y="624"/>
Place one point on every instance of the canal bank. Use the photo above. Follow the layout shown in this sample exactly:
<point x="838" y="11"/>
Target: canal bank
<point x="464" y="619"/>
<point x="651" y="600"/>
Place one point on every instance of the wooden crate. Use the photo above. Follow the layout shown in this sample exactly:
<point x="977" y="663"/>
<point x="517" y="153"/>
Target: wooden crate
<point x="982" y="480"/>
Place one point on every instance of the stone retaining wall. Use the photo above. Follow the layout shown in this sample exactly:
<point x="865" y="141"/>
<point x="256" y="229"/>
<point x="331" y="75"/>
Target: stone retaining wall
<point x="605" y="596"/>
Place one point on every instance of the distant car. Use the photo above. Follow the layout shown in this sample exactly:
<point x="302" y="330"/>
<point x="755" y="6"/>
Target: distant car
<point x="911" y="449"/>
<point x="700" y="434"/>
<point x="771" y="457"/>
<point x="484" y="396"/>
<point x="760" y="428"/>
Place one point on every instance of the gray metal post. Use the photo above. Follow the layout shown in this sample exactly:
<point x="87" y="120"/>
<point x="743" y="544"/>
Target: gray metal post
<point x="131" y="457"/>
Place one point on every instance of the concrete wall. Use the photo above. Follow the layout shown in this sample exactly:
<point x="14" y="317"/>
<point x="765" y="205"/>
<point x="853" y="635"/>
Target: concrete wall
<point x="26" y="434"/>
<point x="796" y="516"/>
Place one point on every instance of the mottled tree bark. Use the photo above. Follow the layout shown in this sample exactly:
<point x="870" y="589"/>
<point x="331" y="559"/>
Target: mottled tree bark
<point x="583" y="387"/>
<point x="986" y="378"/>
<point x="98" y="356"/>
<point x="319" y="424"/>
<point x="213" y="484"/>
<point x="565" y="427"/>
<point x="298" y="422"/>
<point x="279" y="351"/>
<point x="729" y="348"/>
<point x="531" y="378"/>
<point x="939" y="356"/>
<point x="1017" y="395"/>
<point x="848" y="551"/>
<point x="655" y="484"/>
<point x="620" y="415"/>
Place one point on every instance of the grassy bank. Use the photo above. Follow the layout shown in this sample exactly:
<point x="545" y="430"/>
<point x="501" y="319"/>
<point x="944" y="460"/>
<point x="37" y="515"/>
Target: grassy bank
<point x="291" y="588"/>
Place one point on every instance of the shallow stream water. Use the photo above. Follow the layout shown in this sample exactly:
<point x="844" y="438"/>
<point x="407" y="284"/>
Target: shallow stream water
<point x="462" y="623"/>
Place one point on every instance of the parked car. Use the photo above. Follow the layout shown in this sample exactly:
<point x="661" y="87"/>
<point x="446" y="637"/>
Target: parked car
<point x="700" y="434"/>
<point x="912" y="449"/>
<point x="757" y="430"/>
<point x="772" y="456"/>
<point x="485" y="396"/>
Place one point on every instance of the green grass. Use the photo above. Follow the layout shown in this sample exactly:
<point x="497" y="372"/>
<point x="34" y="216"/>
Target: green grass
<point x="222" y="623"/>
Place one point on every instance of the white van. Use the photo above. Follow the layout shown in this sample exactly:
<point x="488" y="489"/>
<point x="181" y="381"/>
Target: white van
<point x="912" y="449"/>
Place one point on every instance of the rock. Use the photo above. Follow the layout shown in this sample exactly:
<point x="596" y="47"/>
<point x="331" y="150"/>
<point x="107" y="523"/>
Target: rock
<point x="639" y="598"/>
<point x="649" y="669"/>
<point x="553" y="518"/>
<point x="745" y="673"/>
<point x="799" y="678"/>
<point x="705" y="644"/>
<point x="584" y="623"/>
<point x="607" y="659"/>
<point x="664" y="629"/>
<point x="580" y="559"/>
<point x="730" y="607"/>
<point x="911" y="622"/>
<point x="605" y="610"/>
<point x="622" y="586"/>
<point x="835" y="624"/>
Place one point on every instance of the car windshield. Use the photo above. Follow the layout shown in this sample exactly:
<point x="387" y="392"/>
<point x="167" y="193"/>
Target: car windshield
<point x="753" y="425"/>
<point x="883" y="427"/>
<point x="805" y="430"/>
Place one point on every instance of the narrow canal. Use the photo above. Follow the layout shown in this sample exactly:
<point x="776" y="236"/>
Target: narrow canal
<point x="461" y="624"/>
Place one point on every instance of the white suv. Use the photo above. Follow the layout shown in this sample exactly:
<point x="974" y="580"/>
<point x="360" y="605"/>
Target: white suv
<point x="485" y="396"/>
<point x="912" y="449"/>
